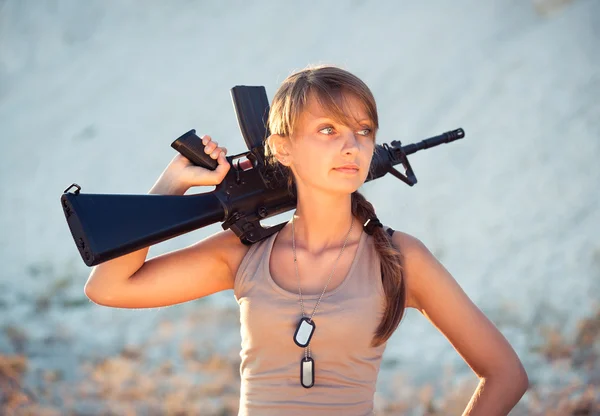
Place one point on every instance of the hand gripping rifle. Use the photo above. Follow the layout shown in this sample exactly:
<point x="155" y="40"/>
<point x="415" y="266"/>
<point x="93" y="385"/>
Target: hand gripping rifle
<point x="106" y="226"/>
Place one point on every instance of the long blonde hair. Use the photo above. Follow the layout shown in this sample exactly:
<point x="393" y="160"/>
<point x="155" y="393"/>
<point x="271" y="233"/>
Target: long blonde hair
<point x="327" y="83"/>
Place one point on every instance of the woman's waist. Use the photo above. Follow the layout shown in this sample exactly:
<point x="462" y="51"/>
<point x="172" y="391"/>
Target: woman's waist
<point x="330" y="384"/>
<point x="262" y="395"/>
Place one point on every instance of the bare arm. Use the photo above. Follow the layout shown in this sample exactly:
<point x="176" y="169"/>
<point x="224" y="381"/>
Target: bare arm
<point x="435" y="293"/>
<point x="199" y="270"/>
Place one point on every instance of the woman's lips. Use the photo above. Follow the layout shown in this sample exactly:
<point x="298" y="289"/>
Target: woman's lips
<point x="346" y="170"/>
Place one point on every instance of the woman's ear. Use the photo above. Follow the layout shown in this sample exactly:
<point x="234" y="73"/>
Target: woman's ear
<point x="280" y="148"/>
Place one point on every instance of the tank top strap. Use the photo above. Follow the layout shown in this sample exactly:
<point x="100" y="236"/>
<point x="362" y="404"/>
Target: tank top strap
<point x="389" y="230"/>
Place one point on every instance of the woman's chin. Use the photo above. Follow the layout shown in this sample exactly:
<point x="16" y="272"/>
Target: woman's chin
<point x="339" y="186"/>
<point x="347" y="189"/>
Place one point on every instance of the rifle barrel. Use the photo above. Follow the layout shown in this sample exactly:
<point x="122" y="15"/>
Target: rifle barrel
<point x="447" y="137"/>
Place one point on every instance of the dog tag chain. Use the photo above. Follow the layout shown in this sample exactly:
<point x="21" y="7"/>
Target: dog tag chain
<point x="306" y="326"/>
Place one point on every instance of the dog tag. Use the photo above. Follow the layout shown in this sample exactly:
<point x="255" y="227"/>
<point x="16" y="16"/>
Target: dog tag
<point x="307" y="372"/>
<point x="304" y="332"/>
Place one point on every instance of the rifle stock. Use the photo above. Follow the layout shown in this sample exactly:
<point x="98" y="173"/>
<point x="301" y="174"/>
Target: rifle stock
<point x="106" y="226"/>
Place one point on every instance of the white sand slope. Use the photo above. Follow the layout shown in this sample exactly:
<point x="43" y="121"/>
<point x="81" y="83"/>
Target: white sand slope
<point x="94" y="92"/>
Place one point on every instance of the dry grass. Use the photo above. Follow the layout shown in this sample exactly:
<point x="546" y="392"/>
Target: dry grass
<point x="205" y="381"/>
<point x="548" y="7"/>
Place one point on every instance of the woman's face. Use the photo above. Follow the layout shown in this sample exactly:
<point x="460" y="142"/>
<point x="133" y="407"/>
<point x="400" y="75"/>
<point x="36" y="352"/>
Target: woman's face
<point x="320" y="145"/>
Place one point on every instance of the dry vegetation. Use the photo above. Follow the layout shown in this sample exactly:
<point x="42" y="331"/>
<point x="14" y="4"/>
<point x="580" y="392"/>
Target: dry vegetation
<point x="208" y="382"/>
<point x="548" y="7"/>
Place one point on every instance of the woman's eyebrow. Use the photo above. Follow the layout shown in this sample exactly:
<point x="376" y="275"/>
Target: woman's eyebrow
<point x="320" y="119"/>
<point x="365" y="121"/>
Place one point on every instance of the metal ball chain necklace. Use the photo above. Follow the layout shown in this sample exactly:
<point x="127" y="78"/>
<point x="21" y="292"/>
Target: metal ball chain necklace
<point x="306" y="326"/>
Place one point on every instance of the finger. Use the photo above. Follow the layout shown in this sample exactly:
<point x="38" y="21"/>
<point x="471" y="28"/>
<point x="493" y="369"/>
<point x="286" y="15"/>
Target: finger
<point x="210" y="147"/>
<point x="221" y="158"/>
<point x="223" y="165"/>
<point x="206" y="139"/>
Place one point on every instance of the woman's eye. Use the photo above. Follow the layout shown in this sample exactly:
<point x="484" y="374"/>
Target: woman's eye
<point x="328" y="129"/>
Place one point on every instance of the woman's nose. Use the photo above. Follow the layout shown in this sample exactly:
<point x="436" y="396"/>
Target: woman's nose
<point x="350" y="141"/>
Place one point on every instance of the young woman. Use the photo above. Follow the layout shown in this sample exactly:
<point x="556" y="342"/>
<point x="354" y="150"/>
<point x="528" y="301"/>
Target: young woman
<point x="320" y="298"/>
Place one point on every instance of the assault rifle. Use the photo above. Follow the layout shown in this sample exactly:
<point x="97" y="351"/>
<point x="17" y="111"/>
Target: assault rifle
<point x="106" y="226"/>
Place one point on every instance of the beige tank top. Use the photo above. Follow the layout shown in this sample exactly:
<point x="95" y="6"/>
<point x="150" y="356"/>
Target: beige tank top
<point x="346" y="366"/>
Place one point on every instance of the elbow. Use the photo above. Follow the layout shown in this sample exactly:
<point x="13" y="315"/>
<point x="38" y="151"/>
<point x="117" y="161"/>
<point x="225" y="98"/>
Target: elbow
<point x="90" y="292"/>
<point x="523" y="381"/>
<point x="95" y="295"/>
<point x="520" y="378"/>
<point x="514" y="379"/>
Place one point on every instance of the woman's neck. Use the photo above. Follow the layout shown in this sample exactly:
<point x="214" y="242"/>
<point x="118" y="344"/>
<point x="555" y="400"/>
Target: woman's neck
<point x="323" y="223"/>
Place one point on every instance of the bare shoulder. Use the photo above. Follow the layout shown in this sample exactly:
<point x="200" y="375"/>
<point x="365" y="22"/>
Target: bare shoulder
<point x="409" y="244"/>
<point x="417" y="258"/>
<point x="227" y="246"/>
